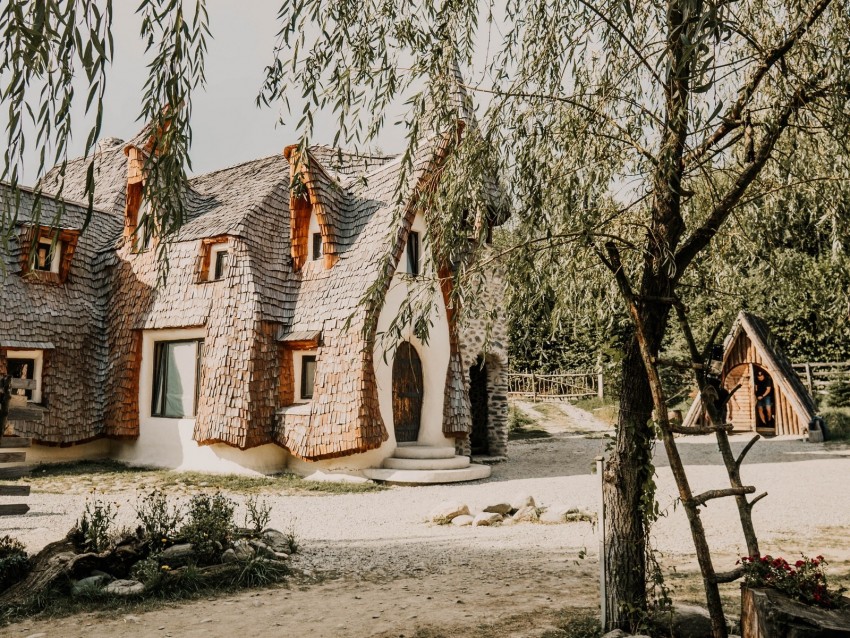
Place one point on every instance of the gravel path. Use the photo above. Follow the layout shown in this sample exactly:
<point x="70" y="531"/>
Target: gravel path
<point x="372" y="539"/>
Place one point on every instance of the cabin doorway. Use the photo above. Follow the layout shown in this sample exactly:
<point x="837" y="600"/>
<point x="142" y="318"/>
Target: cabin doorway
<point x="764" y="392"/>
<point x="408" y="390"/>
<point x="739" y="409"/>
<point x="479" y="399"/>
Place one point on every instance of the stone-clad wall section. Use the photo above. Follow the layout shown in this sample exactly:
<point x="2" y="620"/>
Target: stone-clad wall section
<point x="483" y="331"/>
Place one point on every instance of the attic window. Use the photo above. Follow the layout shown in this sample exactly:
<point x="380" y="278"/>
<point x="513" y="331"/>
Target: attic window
<point x="317" y="246"/>
<point x="219" y="261"/>
<point x="48" y="256"/>
<point x="308" y="376"/>
<point x="143" y="233"/>
<point x="25" y="368"/>
<point x="413" y="254"/>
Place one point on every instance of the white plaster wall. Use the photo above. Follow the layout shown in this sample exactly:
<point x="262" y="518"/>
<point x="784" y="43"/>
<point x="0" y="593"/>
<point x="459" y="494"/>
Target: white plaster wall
<point x="168" y="442"/>
<point x="98" y="449"/>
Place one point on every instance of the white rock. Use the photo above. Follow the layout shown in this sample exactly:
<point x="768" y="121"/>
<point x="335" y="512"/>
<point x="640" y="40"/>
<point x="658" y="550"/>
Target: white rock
<point x="124" y="588"/>
<point x="486" y="518"/>
<point x="522" y="500"/>
<point x="527" y="514"/>
<point x="499" y="508"/>
<point x="445" y="512"/>
<point x="508" y="521"/>
<point x="616" y="633"/>
<point x="90" y="584"/>
<point x="554" y="515"/>
<point x="463" y="520"/>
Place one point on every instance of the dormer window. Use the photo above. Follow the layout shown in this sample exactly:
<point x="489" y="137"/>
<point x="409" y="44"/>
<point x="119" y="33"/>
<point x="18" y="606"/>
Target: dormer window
<point x="317" y="246"/>
<point x="219" y="260"/>
<point x="413" y="254"/>
<point x="143" y="233"/>
<point x="48" y="256"/>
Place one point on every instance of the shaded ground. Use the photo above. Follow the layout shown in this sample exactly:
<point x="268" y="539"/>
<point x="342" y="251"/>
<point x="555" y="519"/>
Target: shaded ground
<point x="371" y="566"/>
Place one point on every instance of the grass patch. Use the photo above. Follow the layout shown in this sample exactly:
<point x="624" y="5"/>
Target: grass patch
<point x="522" y="427"/>
<point x="109" y="475"/>
<point x="574" y="624"/>
<point x="837" y="424"/>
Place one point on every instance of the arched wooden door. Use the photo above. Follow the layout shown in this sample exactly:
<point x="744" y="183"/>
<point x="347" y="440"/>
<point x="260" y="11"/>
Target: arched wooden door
<point x="478" y="400"/>
<point x="408" y="390"/>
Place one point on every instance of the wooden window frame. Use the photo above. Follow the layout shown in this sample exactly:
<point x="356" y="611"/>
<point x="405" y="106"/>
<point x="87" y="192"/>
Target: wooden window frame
<point x="316" y="248"/>
<point x="160" y="378"/>
<point x="206" y="266"/>
<point x="62" y="240"/>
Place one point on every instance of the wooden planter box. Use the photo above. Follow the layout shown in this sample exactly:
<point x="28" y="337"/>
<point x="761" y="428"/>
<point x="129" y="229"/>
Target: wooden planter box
<point x="766" y="613"/>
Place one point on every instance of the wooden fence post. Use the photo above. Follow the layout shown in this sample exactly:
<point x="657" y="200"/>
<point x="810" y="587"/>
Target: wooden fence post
<point x="809" y="379"/>
<point x="600" y="382"/>
<point x="533" y="387"/>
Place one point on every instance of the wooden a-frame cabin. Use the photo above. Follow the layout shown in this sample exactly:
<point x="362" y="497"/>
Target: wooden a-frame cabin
<point x="753" y="359"/>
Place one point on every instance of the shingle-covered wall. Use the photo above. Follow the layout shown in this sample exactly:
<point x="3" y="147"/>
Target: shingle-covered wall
<point x="68" y="315"/>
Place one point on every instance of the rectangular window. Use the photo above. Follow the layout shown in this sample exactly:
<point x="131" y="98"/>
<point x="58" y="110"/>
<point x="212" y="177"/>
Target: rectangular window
<point x="317" y="245"/>
<point x="47" y="256"/>
<point x="308" y="376"/>
<point x="176" y="377"/>
<point x="413" y="253"/>
<point x="25" y="367"/>
<point x="222" y="259"/>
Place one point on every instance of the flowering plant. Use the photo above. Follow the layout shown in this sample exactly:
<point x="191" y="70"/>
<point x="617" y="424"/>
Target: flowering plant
<point x="805" y="580"/>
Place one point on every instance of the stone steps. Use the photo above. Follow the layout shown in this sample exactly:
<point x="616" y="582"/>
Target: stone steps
<point x="413" y="451"/>
<point x="429" y="477"/>
<point x="454" y="463"/>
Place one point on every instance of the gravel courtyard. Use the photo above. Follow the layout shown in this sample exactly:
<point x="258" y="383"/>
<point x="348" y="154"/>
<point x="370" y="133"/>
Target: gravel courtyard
<point x="371" y="566"/>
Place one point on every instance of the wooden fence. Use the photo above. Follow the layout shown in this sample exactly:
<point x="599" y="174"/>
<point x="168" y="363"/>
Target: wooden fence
<point x="817" y="376"/>
<point x="7" y="384"/>
<point x="564" y="385"/>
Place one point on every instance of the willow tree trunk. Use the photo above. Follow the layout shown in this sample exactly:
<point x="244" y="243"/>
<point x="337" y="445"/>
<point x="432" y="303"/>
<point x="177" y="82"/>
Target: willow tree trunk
<point x="627" y="476"/>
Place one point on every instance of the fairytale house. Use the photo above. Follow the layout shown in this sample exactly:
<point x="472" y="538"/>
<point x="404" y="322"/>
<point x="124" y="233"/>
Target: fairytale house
<point x="257" y="348"/>
<point x="767" y="396"/>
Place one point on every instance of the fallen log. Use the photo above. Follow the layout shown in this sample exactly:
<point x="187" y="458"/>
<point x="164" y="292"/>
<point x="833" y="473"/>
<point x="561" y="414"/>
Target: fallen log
<point x="767" y="613"/>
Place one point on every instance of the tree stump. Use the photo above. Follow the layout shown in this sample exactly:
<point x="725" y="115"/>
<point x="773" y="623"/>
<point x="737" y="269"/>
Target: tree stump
<point x="767" y="613"/>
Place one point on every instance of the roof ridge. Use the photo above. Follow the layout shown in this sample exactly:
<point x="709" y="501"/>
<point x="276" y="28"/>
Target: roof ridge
<point x="72" y="202"/>
<point x="232" y="166"/>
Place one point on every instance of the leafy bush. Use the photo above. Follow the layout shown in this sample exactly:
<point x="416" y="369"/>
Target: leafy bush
<point x="258" y="513"/>
<point x="837" y="424"/>
<point x="14" y="563"/>
<point x="94" y="527"/>
<point x="804" y="581"/>
<point x="839" y="393"/>
<point x="159" y="519"/>
<point x="576" y="626"/>
<point x="209" y="526"/>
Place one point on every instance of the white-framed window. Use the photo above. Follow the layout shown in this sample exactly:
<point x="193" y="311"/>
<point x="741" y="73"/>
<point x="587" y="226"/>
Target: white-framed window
<point x="176" y="378"/>
<point x="219" y="262"/>
<point x="48" y="255"/>
<point x="305" y="374"/>
<point x="26" y="365"/>
<point x="143" y="233"/>
<point x="413" y="255"/>
<point x="316" y="251"/>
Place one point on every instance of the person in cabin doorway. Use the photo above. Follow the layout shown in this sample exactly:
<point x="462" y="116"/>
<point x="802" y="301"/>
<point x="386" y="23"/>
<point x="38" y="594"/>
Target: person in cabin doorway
<point x="764" y="398"/>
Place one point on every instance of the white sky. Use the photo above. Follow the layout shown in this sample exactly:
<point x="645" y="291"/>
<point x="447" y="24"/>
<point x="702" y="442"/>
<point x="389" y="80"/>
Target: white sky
<point x="228" y="128"/>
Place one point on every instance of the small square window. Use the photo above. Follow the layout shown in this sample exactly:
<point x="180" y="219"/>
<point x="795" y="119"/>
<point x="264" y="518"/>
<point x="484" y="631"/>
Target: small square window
<point x="25" y="366"/>
<point x="221" y="260"/>
<point x="308" y="376"/>
<point x="413" y="253"/>
<point x="48" y="256"/>
<point x="317" y="246"/>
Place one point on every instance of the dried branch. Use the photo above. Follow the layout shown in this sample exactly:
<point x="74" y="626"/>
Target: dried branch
<point x="702" y="499"/>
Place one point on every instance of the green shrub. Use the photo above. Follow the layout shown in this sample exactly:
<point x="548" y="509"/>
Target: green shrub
<point x="209" y="526"/>
<point x="258" y="513"/>
<point x="259" y="572"/>
<point x="576" y="626"/>
<point x="837" y="424"/>
<point x="838" y="393"/>
<point x="94" y="527"/>
<point x="159" y="519"/>
<point x="14" y="563"/>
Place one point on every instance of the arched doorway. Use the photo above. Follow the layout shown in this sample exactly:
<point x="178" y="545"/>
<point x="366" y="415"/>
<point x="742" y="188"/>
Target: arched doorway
<point x="408" y="389"/>
<point x="479" y="399"/>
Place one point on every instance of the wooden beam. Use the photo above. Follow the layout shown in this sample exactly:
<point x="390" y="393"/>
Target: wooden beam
<point x="11" y="473"/>
<point x="24" y="384"/>
<point x="14" y="441"/>
<point x="14" y="510"/>
<point x="708" y="429"/>
<point x="702" y="499"/>
<point x="13" y="457"/>
<point x="26" y="414"/>
<point x="14" y="490"/>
